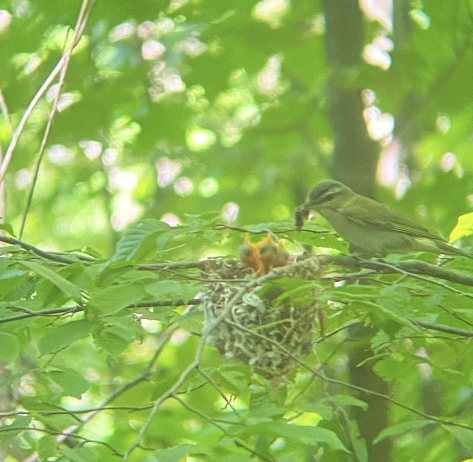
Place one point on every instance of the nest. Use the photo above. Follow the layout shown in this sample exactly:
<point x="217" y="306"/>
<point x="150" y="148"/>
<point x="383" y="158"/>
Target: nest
<point x="259" y="329"/>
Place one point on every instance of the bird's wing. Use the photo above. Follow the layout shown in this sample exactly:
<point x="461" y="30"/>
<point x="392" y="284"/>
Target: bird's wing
<point x="374" y="213"/>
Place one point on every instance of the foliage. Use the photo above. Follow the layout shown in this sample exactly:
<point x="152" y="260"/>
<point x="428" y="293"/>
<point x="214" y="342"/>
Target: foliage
<point x="181" y="126"/>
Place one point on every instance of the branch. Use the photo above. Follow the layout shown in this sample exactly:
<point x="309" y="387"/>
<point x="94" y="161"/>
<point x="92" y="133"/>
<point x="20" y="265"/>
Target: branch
<point x="26" y="115"/>
<point x="320" y="374"/>
<point x="53" y="432"/>
<point x="34" y="314"/>
<point x="42" y="253"/>
<point x="442" y="328"/>
<point x="6" y="113"/>
<point x="408" y="266"/>
<point x="79" y="28"/>
<point x="223" y="430"/>
<point x="125" y="387"/>
<point x="218" y="389"/>
<point x="77" y="309"/>
<point x="198" y="355"/>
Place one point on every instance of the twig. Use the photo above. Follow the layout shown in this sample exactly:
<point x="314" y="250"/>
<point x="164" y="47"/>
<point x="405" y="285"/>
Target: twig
<point x="196" y="361"/>
<point x="157" y="403"/>
<point x="6" y="113"/>
<point x="126" y="386"/>
<point x="77" y="309"/>
<point x="259" y="231"/>
<point x="223" y="430"/>
<point x="42" y="253"/>
<point x="410" y="266"/>
<point x="77" y="411"/>
<point x="26" y="115"/>
<point x="80" y="27"/>
<point x="201" y="415"/>
<point x="396" y="268"/>
<point x="220" y="392"/>
<point x="153" y="303"/>
<point x="442" y="328"/>
<point x="34" y="314"/>
<point x="173" y="265"/>
<point x="349" y="385"/>
<point x="53" y="432"/>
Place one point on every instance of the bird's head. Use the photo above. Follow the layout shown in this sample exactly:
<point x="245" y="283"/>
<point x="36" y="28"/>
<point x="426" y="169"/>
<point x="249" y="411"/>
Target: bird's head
<point x="327" y="194"/>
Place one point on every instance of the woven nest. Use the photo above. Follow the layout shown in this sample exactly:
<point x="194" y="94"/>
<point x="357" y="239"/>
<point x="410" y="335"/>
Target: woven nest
<point x="258" y="330"/>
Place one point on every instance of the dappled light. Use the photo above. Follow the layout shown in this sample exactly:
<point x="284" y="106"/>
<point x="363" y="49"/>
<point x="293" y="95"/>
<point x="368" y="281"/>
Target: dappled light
<point x="230" y="212"/>
<point x="167" y="171"/>
<point x="236" y="231"/>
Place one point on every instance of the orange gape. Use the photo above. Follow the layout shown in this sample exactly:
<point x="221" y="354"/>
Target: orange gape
<point x="264" y="255"/>
<point x="249" y="254"/>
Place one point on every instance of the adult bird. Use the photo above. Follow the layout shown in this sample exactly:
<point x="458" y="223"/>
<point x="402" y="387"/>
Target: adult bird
<point x="369" y="226"/>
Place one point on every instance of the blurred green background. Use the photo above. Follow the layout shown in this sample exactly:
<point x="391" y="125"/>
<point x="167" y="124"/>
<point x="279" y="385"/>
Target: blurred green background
<point x="185" y="107"/>
<point x="193" y="110"/>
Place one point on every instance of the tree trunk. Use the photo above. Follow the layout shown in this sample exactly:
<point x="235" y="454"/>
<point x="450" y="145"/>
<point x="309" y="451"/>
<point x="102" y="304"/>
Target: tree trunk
<point x="354" y="163"/>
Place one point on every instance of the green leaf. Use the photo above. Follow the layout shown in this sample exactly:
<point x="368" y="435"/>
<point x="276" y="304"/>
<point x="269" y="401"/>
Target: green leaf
<point x="463" y="228"/>
<point x="178" y="453"/>
<point x="59" y="281"/>
<point x="9" y="348"/>
<point x="399" y="429"/>
<point x="345" y="400"/>
<point x="357" y="442"/>
<point x="12" y="273"/>
<point x="10" y="249"/>
<point x="463" y="435"/>
<point x="64" y="335"/>
<point x="81" y="454"/>
<point x="320" y="237"/>
<point x="47" y="446"/>
<point x="114" y="339"/>
<point x="192" y="321"/>
<point x="174" y="290"/>
<point x="306" y="435"/>
<point x="21" y="421"/>
<point x="71" y="383"/>
<point x="114" y="298"/>
<point x="130" y="244"/>
<point x="8" y="228"/>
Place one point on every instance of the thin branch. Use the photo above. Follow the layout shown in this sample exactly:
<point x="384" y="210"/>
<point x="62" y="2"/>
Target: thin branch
<point x="201" y="415"/>
<point x="53" y="432"/>
<point x="196" y="361"/>
<point x="173" y="265"/>
<point x="409" y="266"/>
<point x="80" y="27"/>
<point x="34" y="314"/>
<point x="152" y="304"/>
<point x="126" y="386"/>
<point x="394" y="401"/>
<point x="39" y="94"/>
<point x="157" y="403"/>
<point x="261" y="231"/>
<point x="396" y="268"/>
<point x="42" y="253"/>
<point x="346" y="384"/>
<point x="77" y="309"/>
<point x="6" y="113"/>
<point x="222" y="429"/>
<point x="442" y="328"/>
<point x="80" y="411"/>
<point x="220" y="392"/>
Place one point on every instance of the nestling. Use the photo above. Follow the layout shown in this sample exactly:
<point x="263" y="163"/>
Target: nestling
<point x="369" y="226"/>
<point x="263" y="255"/>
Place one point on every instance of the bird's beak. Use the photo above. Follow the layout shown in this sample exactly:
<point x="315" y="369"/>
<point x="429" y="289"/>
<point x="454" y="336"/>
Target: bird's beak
<point x="301" y="214"/>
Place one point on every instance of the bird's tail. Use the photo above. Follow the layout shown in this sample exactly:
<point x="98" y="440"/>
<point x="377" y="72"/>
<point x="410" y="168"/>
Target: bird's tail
<point x="449" y="249"/>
